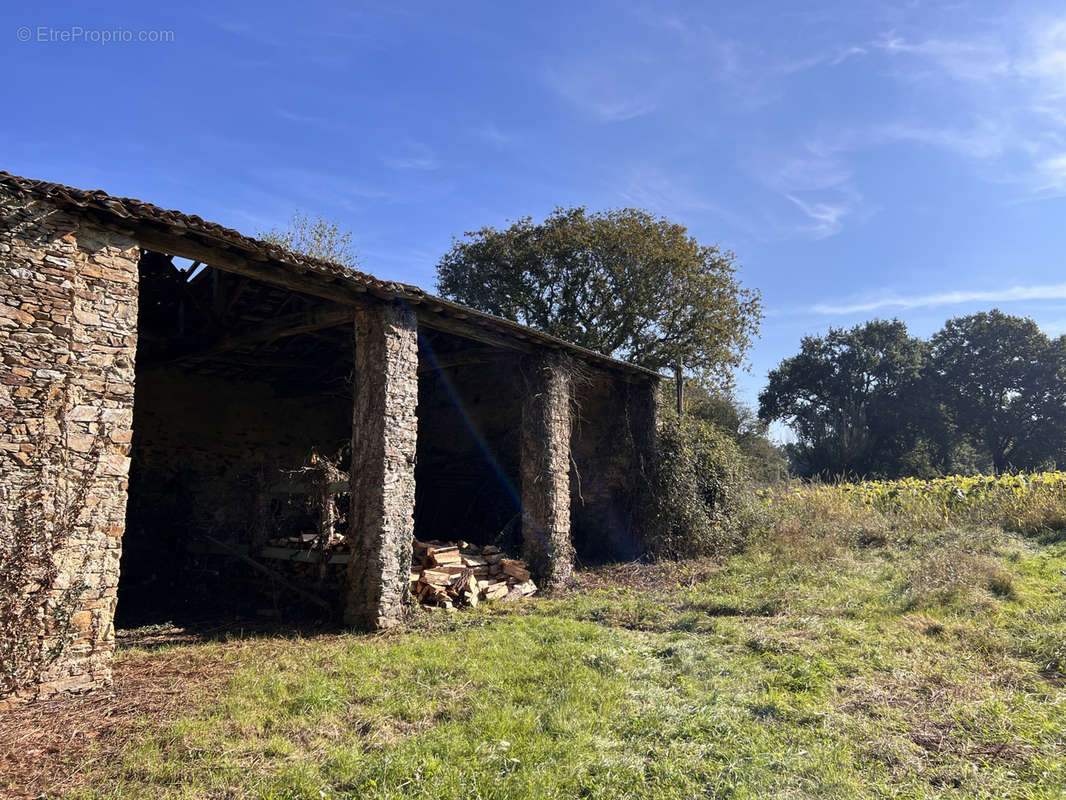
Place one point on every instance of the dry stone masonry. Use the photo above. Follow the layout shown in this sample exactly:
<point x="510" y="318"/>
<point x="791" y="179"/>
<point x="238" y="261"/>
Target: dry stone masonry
<point x="384" y="438"/>
<point x="546" y="469"/>
<point x="68" y="301"/>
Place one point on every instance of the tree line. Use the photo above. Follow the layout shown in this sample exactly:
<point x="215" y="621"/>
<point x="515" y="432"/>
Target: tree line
<point x="985" y="393"/>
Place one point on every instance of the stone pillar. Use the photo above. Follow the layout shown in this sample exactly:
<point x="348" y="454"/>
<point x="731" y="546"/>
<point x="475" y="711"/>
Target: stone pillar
<point x="68" y="337"/>
<point x="384" y="435"/>
<point x="546" y="468"/>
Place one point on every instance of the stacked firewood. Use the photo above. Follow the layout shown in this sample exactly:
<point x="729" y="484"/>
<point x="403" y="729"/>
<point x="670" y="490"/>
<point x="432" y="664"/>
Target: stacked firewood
<point x="450" y="574"/>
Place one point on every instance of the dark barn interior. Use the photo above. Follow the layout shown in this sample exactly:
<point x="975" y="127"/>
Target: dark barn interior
<point x="238" y="383"/>
<point x="606" y="481"/>
<point x="469" y="418"/>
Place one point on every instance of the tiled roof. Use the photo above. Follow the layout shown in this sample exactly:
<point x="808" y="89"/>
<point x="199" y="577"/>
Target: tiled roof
<point x="133" y="213"/>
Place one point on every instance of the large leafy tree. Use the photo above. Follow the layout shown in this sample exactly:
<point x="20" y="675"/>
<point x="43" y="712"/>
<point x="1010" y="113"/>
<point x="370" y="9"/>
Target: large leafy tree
<point x="849" y="396"/>
<point x="1003" y="382"/>
<point x="621" y="282"/>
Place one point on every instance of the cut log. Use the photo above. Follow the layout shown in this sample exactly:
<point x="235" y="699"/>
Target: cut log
<point x="514" y="568"/>
<point x="436" y="577"/>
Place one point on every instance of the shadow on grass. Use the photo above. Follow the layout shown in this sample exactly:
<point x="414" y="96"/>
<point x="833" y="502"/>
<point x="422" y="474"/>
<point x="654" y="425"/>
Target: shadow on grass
<point x="225" y="629"/>
<point x="768" y="608"/>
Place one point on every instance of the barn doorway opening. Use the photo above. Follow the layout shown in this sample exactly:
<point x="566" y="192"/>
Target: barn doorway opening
<point x="242" y="420"/>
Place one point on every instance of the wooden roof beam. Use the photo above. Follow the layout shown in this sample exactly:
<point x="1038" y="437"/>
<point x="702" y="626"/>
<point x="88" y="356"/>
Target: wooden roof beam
<point x="282" y="327"/>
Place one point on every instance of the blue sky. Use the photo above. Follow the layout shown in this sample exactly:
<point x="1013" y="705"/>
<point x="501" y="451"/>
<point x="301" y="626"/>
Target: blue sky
<point x="861" y="158"/>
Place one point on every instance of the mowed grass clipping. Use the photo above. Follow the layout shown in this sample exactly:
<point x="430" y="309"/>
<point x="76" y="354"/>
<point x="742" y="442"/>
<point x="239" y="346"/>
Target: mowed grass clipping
<point x="851" y="658"/>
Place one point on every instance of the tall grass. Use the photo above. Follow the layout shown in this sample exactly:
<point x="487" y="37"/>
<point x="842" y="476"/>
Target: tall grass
<point x="1028" y="504"/>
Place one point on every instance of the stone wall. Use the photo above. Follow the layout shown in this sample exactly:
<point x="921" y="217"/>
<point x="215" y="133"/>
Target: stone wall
<point x="384" y="441"/>
<point x="613" y="434"/>
<point x="68" y="308"/>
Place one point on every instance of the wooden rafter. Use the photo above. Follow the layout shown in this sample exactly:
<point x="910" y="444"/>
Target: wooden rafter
<point x="282" y="327"/>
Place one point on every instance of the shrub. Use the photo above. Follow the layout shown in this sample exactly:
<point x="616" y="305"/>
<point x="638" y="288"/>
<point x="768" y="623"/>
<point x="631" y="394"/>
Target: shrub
<point x="700" y="500"/>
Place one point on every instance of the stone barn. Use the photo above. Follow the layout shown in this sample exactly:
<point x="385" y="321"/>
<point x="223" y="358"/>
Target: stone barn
<point x="168" y="386"/>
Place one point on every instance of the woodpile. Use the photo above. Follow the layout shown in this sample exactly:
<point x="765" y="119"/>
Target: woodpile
<point x="451" y="574"/>
<point x="447" y="574"/>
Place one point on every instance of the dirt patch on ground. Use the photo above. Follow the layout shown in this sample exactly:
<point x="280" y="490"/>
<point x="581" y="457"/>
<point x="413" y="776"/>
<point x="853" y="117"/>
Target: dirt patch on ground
<point x="43" y="743"/>
<point x="923" y="705"/>
<point x="644" y="575"/>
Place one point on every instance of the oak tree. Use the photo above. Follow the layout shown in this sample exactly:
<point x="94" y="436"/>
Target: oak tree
<point x="621" y="282"/>
<point x="1003" y="381"/>
<point x="850" y="397"/>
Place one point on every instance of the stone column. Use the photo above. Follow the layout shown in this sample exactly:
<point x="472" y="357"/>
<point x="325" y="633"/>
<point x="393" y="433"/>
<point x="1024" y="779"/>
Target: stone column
<point x="546" y="468"/>
<point x="384" y="435"/>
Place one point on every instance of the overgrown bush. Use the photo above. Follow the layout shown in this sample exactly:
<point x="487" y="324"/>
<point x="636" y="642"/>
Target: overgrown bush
<point x="701" y="503"/>
<point x="766" y="461"/>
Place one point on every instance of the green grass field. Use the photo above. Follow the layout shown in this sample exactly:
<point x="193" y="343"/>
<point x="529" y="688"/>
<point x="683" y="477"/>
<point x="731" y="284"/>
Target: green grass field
<point x="857" y="659"/>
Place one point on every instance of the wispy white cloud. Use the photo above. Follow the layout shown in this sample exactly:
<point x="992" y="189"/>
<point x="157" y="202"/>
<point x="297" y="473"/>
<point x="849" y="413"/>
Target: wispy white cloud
<point x="609" y="88"/>
<point x="1053" y="172"/>
<point x="673" y="56"/>
<point x="974" y="59"/>
<point x="411" y="162"/>
<point x="248" y="30"/>
<point x="418" y="157"/>
<point x="653" y="189"/>
<point x="308" y="187"/>
<point x="1005" y="110"/>
<point x="1046" y="57"/>
<point x="302" y="118"/>
<point x="984" y="138"/>
<point x="820" y="185"/>
<point x="985" y="90"/>
<point x="825" y="218"/>
<point x="909" y="302"/>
